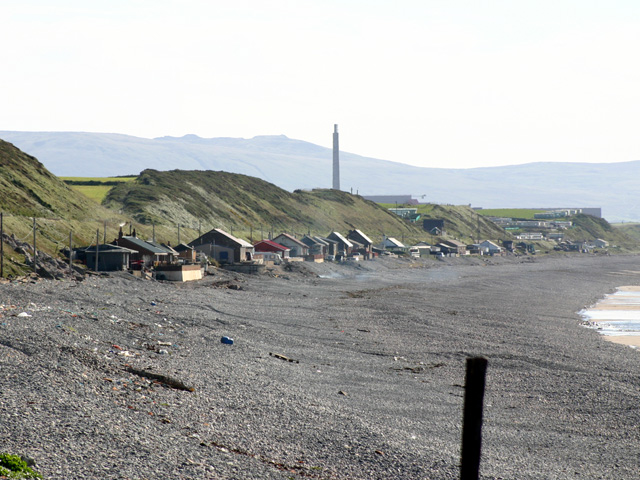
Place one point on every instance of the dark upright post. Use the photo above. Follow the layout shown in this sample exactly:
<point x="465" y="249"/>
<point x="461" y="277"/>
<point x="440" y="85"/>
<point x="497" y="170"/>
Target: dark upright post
<point x="472" y="421"/>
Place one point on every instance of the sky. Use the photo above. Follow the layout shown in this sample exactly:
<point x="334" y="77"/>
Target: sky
<point x="432" y="83"/>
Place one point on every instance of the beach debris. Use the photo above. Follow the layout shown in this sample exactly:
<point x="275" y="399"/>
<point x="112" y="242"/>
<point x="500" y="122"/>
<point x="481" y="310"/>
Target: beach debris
<point x="341" y="392"/>
<point x="282" y="357"/>
<point x="228" y="284"/>
<point x="24" y="314"/>
<point x="418" y="369"/>
<point x="379" y="452"/>
<point x="227" y="340"/>
<point x="164" y="379"/>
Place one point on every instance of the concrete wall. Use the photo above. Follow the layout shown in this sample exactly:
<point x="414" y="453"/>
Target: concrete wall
<point x="179" y="273"/>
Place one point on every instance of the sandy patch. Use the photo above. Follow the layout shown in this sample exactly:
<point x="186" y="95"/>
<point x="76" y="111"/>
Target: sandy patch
<point x="631" y="340"/>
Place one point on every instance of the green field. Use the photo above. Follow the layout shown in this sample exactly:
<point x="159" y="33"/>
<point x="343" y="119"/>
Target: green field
<point x="95" y="188"/>
<point x="524" y="213"/>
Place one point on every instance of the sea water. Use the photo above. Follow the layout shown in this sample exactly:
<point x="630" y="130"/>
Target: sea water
<point x="617" y="316"/>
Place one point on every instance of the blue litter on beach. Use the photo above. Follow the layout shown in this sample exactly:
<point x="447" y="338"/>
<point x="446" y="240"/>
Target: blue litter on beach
<point x="227" y="340"/>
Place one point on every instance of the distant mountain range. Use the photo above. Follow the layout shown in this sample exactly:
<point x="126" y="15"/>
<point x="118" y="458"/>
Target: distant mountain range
<point x="295" y="164"/>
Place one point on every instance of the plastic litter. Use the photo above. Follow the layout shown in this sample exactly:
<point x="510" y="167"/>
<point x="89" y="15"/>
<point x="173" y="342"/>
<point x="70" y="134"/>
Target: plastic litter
<point x="24" y="314"/>
<point x="227" y="340"/>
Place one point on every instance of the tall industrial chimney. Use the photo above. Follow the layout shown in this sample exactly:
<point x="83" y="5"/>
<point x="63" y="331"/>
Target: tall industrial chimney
<point x="336" y="159"/>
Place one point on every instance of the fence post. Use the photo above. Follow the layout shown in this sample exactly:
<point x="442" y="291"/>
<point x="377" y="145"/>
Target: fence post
<point x="472" y="420"/>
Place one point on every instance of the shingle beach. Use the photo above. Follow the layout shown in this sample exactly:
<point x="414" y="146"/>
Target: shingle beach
<point x="335" y="372"/>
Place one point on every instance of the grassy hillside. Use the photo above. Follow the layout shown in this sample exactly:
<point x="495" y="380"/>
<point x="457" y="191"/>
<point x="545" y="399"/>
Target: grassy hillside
<point x="587" y="227"/>
<point x="630" y="230"/>
<point x="30" y="191"/>
<point x="464" y="223"/>
<point x="244" y="204"/>
<point x="460" y="221"/>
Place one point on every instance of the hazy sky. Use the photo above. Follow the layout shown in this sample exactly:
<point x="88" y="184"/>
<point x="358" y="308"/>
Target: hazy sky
<point x="437" y="83"/>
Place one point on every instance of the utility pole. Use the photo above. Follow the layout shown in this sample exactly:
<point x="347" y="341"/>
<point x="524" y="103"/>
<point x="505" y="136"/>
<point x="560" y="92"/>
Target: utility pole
<point x="35" y="250"/>
<point x="1" y="246"/>
<point x="97" y="247"/>
<point x="70" y="251"/>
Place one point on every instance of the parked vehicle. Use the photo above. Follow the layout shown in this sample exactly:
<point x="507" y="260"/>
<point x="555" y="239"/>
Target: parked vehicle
<point x="355" y="257"/>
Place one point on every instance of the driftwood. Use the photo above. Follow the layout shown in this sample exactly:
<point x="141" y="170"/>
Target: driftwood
<point x="282" y="357"/>
<point x="165" y="380"/>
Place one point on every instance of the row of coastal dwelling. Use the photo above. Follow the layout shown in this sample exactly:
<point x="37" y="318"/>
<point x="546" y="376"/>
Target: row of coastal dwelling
<point x="185" y="261"/>
<point x="188" y="261"/>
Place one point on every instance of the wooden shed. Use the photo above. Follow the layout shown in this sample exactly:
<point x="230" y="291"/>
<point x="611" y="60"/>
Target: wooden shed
<point x="223" y="247"/>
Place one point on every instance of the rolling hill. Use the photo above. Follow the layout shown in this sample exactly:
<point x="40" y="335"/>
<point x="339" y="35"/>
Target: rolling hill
<point x="157" y="202"/>
<point x="295" y="164"/>
<point x="163" y="203"/>
<point x="241" y="203"/>
<point x="29" y="189"/>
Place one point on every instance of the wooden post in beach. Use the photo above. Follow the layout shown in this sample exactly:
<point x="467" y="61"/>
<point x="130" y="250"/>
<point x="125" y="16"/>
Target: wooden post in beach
<point x="472" y="421"/>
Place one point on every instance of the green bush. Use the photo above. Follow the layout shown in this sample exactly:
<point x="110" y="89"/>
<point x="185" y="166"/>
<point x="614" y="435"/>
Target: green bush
<point x="12" y="466"/>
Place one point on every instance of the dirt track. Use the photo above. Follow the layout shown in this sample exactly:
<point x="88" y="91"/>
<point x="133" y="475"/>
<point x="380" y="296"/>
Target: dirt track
<point x="91" y="383"/>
